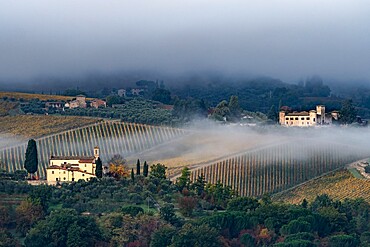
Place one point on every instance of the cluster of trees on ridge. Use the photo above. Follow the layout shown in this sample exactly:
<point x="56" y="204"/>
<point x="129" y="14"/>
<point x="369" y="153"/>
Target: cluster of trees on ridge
<point x="151" y="211"/>
<point x="264" y="95"/>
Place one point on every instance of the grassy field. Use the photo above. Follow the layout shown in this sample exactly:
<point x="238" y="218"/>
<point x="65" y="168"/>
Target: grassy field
<point x="33" y="126"/>
<point x="338" y="185"/>
<point x="29" y="96"/>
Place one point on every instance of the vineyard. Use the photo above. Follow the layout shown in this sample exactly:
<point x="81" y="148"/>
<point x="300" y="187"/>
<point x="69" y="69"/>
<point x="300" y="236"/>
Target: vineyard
<point x="111" y="137"/>
<point x="33" y="126"/>
<point x="338" y="185"/>
<point x="276" y="168"/>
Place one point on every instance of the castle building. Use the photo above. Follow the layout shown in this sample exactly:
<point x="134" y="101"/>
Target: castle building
<point x="71" y="168"/>
<point x="306" y="119"/>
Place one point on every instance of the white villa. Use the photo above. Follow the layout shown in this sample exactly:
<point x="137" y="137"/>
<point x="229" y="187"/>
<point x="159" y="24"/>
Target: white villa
<point x="71" y="168"/>
<point x="306" y="119"/>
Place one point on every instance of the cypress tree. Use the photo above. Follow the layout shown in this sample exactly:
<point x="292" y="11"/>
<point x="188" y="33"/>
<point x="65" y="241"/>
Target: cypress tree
<point x="132" y="175"/>
<point x="146" y="169"/>
<point x="99" y="168"/>
<point x="31" y="161"/>
<point x="138" y="167"/>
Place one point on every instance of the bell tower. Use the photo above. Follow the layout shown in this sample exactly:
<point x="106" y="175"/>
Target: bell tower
<point x="96" y="152"/>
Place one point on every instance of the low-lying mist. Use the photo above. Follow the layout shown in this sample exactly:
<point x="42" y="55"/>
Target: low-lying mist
<point x="208" y="142"/>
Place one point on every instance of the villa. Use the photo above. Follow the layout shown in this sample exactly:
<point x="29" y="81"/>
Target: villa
<point x="71" y="168"/>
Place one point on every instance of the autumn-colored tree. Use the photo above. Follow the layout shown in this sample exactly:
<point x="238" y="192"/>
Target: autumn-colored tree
<point x="118" y="167"/>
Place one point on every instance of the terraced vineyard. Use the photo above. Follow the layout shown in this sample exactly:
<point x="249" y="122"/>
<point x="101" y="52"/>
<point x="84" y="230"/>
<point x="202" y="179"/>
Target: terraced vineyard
<point x="111" y="137"/>
<point x="276" y="168"/>
<point x="338" y="185"/>
<point x="33" y="126"/>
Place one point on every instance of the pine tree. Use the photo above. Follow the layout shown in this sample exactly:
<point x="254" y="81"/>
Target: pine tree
<point x="31" y="161"/>
<point x="99" y="168"/>
<point x="138" y="167"/>
<point x="132" y="175"/>
<point x="145" y="169"/>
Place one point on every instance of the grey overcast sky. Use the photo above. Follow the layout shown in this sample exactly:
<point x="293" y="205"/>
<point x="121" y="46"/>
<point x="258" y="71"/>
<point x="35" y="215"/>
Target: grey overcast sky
<point x="287" y="39"/>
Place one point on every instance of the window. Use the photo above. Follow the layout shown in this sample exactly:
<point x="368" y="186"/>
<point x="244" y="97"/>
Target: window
<point x="85" y="166"/>
<point x="73" y="179"/>
<point x="286" y="118"/>
<point x="291" y="118"/>
<point x="287" y="122"/>
<point x="87" y="179"/>
<point x="307" y="118"/>
<point x="64" y="178"/>
<point x="296" y="118"/>
<point x="83" y="175"/>
<point x="52" y="172"/>
<point x="302" y="118"/>
<point x="64" y="172"/>
<point x="57" y="179"/>
<point x="308" y="123"/>
<point x="84" y="170"/>
<point x="314" y="119"/>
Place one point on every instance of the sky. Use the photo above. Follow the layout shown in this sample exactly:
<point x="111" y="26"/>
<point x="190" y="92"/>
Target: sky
<point x="285" y="39"/>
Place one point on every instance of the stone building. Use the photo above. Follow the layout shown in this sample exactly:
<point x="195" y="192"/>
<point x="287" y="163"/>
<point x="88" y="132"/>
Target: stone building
<point x="79" y="102"/>
<point x="307" y="119"/>
<point x="96" y="103"/>
<point x="71" y="168"/>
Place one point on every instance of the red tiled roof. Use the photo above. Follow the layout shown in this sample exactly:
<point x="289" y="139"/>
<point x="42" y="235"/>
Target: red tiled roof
<point x="303" y="113"/>
<point x="72" y="157"/>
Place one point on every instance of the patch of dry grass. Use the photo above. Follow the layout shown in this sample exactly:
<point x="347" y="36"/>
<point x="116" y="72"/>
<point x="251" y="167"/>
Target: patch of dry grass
<point x="29" y="96"/>
<point x="33" y="126"/>
<point x="338" y="185"/>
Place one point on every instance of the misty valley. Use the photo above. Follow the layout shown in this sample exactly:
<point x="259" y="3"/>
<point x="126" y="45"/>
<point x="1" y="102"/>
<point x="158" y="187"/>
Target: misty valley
<point x="184" y="123"/>
<point x="177" y="167"/>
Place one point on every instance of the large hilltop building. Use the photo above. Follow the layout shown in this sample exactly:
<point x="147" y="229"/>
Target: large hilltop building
<point x="306" y="119"/>
<point x="71" y="168"/>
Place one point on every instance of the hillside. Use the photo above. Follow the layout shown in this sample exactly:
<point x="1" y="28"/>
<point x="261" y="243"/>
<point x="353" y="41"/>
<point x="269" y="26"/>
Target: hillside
<point x="33" y="126"/>
<point x="7" y="107"/>
<point x="338" y="185"/>
<point x="29" y="96"/>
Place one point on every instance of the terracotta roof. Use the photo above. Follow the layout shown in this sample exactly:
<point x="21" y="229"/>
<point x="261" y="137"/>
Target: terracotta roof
<point x="86" y="160"/>
<point x="303" y="113"/>
<point x="72" y="157"/>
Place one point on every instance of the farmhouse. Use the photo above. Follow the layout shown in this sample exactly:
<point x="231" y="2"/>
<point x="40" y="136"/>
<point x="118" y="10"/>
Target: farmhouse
<point x="71" y="168"/>
<point x="55" y="105"/>
<point x="306" y="119"/>
<point x="79" y="102"/>
<point x="96" y="103"/>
